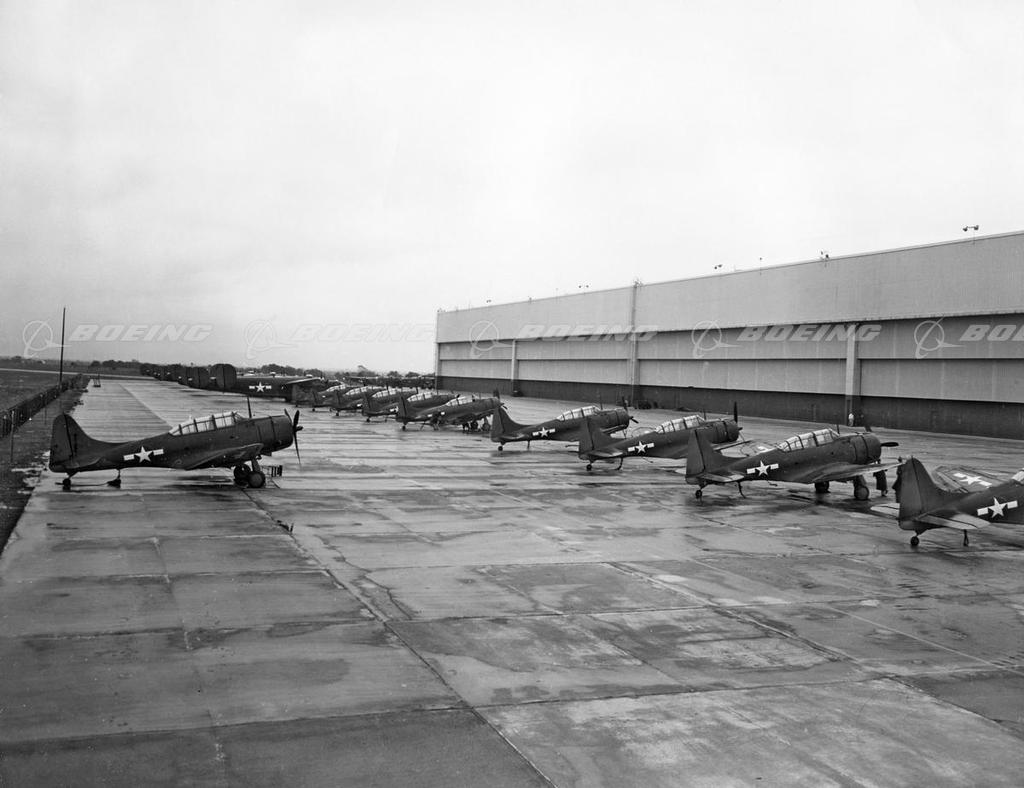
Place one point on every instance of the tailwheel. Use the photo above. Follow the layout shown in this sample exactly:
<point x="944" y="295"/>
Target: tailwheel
<point x="914" y="541"/>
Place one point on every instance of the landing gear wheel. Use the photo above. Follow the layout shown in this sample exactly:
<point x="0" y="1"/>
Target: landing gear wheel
<point x="257" y="479"/>
<point x="473" y="426"/>
<point x="590" y="467"/>
<point x="241" y="474"/>
<point x="861" y="492"/>
<point x="821" y="487"/>
<point x="914" y="541"/>
<point x="501" y="447"/>
<point x="66" y="483"/>
<point x="699" y="494"/>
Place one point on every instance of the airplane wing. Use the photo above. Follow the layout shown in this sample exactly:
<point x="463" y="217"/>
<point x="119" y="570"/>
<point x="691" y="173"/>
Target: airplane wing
<point x="231" y="455"/>
<point x="962" y="480"/>
<point x="834" y="472"/>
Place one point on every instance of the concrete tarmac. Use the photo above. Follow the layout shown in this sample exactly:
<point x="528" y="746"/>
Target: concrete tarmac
<point x="414" y="608"/>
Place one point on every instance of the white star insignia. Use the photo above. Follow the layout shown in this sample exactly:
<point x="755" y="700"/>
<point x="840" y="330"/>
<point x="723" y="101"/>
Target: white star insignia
<point x="260" y="387"/>
<point x="762" y="469"/>
<point x="997" y="507"/>
<point x="641" y="447"/>
<point x="144" y="455"/>
<point x="972" y="479"/>
<point x="543" y="432"/>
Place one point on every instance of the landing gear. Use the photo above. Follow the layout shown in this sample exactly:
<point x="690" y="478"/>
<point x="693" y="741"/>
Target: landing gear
<point x="860" y="489"/>
<point x="501" y="447"/>
<point x="914" y="541"/>
<point x="821" y="487"/>
<point x="699" y="494"/>
<point x="590" y="467"/>
<point x="66" y="483"/>
<point x="115" y="482"/>
<point x="966" y="542"/>
<point x="252" y="477"/>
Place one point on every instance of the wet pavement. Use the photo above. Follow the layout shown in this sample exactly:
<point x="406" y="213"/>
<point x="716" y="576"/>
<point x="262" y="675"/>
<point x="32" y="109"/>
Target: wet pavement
<point x="416" y="608"/>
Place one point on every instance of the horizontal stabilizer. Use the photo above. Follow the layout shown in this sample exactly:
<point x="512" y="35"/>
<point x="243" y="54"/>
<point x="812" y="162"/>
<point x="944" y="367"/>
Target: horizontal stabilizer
<point x="958" y="520"/>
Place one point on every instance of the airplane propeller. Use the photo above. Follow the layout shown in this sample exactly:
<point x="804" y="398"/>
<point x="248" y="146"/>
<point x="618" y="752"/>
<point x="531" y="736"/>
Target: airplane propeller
<point x="890" y="444"/>
<point x="295" y="434"/>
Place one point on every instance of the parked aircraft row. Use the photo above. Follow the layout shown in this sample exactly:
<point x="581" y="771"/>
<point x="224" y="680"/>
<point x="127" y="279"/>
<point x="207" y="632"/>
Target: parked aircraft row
<point x="949" y="497"/>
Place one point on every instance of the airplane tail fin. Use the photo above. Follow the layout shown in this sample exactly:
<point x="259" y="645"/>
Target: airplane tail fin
<point x="591" y="437"/>
<point x="502" y="424"/>
<point x="68" y="441"/>
<point x="402" y="410"/>
<point x="701" y="456"/>
<point x="917" y="492"/>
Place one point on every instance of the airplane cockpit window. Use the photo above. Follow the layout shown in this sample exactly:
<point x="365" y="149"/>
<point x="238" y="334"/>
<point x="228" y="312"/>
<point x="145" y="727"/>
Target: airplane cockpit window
<point x="807" y="440"/>
<point x="682" y="423"/>
<point x="460" y="401"/>
<point x="578" y="413"/>
<point x="825" y="436"/>
<point x="1019" y="477"/>
<point x="199" y="424"/>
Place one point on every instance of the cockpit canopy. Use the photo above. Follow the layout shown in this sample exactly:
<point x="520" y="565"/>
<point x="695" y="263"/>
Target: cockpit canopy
<point x="690" y="422"/>
<point x="425" y="395"/>
<point x="391" y="392"/>
<point x="578" y="413"/>
<point x="463" y="400"/>
<point x="214" y="421"/>
<point x="807" y="440"/>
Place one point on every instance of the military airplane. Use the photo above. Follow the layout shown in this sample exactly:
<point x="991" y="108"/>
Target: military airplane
<point x="330" y="394"/>
<point x="384" y="402"/>
<point x="409" y="409"/>
<point x="816" y="457"/>
<point x="221" y="440"/>
<point x="351" y="399"/>
<point x="955" y="498"/>
<point x="466" y="411"/>
<point x="566" y="426"/>
<point x="288" y="387"/>
<point x="669" y="439"/>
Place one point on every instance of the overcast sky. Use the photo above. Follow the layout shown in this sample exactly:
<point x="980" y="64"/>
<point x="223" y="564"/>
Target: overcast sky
<point x="326" y="175"/>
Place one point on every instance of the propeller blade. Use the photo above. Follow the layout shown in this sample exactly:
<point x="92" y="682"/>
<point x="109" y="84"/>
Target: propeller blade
<point x="890" y="444"/>
<point x="248" y="403"/>
<point x="735" y="412"/>
<point x="295" y="435"/>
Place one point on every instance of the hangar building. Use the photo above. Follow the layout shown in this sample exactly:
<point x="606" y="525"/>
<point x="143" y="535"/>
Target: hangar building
<point x="925" y="337"/>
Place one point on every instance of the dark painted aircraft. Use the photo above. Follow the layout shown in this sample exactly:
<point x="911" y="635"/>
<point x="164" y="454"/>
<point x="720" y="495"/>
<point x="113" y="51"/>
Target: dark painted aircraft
<point x="670" y="439"/>
<point x="222" y="440"/>
<point x="288" y="387"/>
<point x="467" y="411"/>
<point x="566" y="426"/>
<point x="410" y="409"/>
<point x="383" y="403"/>
<point x="818" y="457"/>
<point x="955" y="498"/>
<point x="351" y="399"/>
